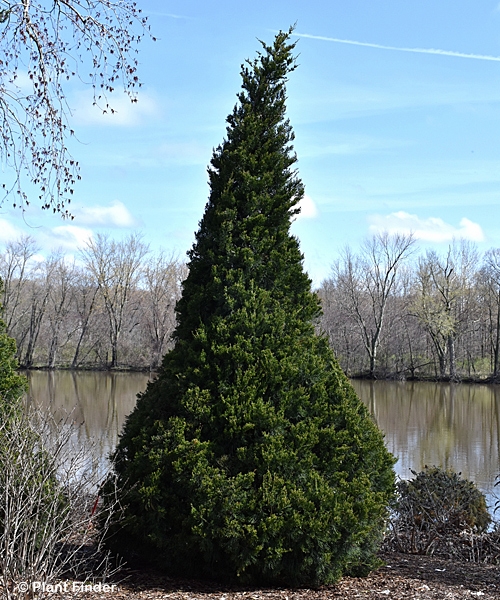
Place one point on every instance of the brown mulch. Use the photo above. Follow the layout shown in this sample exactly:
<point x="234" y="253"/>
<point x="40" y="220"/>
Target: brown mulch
<point x="403" y="576"/>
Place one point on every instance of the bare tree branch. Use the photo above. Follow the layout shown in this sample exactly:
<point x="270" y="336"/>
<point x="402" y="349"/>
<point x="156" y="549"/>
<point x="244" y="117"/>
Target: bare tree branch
<point x="43" y="45"/>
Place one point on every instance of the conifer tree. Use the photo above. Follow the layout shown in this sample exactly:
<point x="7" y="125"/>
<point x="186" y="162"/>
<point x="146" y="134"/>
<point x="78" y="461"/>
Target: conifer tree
<point x="250" y="455"/>
<point x="12" y="385"/>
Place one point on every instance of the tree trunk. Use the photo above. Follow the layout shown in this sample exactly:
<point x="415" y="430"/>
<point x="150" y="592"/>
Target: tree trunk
<point x="451" y="356"/>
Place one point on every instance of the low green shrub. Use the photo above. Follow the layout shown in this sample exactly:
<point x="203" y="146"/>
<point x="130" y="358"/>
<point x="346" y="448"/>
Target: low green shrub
<point x="435" y="506"/>
<point x="442" y="500"/>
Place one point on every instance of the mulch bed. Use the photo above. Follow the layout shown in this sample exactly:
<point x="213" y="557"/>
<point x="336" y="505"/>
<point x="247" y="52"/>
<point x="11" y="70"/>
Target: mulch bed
<point x="403" y="576"/>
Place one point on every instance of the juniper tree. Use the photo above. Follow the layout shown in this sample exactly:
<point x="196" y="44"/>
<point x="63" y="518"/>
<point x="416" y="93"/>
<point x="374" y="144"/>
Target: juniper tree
<point x="250" y="455"/>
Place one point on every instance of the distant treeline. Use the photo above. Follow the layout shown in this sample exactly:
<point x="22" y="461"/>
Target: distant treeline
<point x="390" y="312"/>
<point x="113" y="307"/>
<point x="387" y="310"/>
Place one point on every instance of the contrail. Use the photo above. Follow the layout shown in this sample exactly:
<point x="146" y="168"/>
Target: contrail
<point x="397" y="48"/>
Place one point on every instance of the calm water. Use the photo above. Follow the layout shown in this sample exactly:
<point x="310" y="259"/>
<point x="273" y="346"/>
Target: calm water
<point x="448" y="425"/>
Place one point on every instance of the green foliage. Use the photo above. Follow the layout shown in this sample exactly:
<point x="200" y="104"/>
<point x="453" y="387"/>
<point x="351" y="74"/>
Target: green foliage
<point x="250" y="456"/>
<point x="439" y="500"/>
<point x="12" y="385"/>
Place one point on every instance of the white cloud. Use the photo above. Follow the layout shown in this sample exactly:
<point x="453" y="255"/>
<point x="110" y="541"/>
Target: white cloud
<point x="432" y="229"/>
<point x="66" y="237"/>
<point x="116" y="215"/>
<point x="126" y="113"/>
<point x="308" y="209"/>
<point x="22" y="81"/>
<point x="470" y="231"/>
<point x="38" y="258"/>
<point x="9" y="232"/>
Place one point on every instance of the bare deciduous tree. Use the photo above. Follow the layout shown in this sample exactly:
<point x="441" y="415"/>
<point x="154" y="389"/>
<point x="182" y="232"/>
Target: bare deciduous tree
<point x="162" y="278"/>
<point x="489" y="279"/>
<point x="40" y="289"/>
<point x="116" y="267"/>
<point x="443" y="302"/>
<point x="84" y="300"/>
<point x="61" y="314"/>
<point x="44" y="44"/>
<point x="63" y="280"/>
<point x="365" y="282"/>
<point x="414" y="309"/>
<point x="14" y="271"/>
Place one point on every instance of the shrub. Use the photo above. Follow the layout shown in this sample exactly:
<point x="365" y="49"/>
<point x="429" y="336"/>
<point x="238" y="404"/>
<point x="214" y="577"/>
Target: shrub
<point x="434" y="507"/>
<point x="48" y="489"/>
<point x="250" y="457"/>
<point x="47" y="492"/>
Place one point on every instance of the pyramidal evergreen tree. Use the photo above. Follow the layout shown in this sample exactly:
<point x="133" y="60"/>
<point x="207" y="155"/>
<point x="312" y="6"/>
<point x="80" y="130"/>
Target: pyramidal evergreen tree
<point x="250" y="456"/>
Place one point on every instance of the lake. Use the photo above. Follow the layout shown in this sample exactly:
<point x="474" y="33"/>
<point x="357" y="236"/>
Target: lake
<point x="449" y="425"/>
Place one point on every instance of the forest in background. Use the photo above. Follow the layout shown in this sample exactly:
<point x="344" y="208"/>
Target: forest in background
<point x="112" y="307"/>
<point x="389" y="311"/>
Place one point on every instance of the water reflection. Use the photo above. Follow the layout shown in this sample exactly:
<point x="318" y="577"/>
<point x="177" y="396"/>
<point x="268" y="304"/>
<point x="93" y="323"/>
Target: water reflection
<point x="449" y="425"/>
<point x="441" y="424"/>
<point x="96" y="403"/>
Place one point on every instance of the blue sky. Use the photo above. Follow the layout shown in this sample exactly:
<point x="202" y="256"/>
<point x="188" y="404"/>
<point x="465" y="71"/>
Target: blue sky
<point x="395" y="107"/>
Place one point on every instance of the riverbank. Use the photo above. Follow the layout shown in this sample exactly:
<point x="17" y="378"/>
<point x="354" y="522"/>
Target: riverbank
<point x="404" y="576"/>
<point x="480" y="380"/>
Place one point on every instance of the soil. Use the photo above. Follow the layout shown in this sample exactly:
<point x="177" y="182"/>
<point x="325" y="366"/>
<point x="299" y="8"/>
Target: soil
<point x="403" y="576"/>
